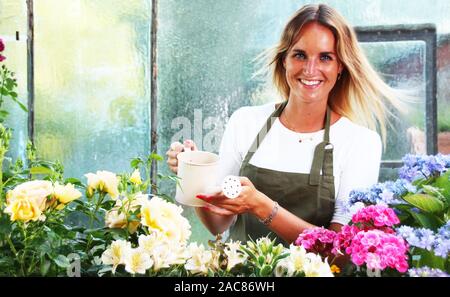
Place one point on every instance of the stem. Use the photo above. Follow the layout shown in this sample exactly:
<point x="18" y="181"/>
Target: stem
<point x="3" y="84"/>
<point x="32" y="265"/>
<point x="97" y="206"/>
<point x="11" y="245"/>
<point x="22" y="261"/>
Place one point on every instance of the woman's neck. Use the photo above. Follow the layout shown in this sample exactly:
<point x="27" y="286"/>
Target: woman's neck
<point x="306" y="117"/>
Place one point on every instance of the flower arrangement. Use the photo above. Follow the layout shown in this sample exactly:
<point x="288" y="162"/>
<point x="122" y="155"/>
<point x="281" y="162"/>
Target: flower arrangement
<point x="398" y="227"/>
<point x="164" y="251"/>
<point x="369" y="242"/>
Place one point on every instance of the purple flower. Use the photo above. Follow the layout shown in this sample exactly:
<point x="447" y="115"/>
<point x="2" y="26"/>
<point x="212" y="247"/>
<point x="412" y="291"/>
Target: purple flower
<point x="387" y="193"/>
<point x="442" y="243"/>
<point x="423" y="166"/>
<point x="438" y="243"/>
<point x="427" y="272"/>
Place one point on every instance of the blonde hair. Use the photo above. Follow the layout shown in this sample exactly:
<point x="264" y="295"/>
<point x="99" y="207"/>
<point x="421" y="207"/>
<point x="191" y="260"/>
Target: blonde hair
<point x="359" y="93"/>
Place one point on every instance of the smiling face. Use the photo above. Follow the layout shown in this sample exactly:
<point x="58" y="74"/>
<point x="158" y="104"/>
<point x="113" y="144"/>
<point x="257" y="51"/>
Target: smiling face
<point x="311" y="64"/>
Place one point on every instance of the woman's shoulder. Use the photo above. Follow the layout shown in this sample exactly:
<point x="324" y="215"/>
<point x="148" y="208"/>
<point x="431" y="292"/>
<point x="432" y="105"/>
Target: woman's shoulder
<point x="351" y="130"/>
<point x="252" y="113"/>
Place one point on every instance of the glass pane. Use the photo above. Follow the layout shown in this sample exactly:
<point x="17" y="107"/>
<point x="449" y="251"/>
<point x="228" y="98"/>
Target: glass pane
<point x="92" y="83"/>
<point x="443" y="93"/>
<point x="402" y="67"/>
<point x="13" y="17"/>
<point x="205" y="73"/>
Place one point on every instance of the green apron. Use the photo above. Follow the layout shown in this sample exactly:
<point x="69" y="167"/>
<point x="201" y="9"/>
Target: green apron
<point x="308" y="196"/>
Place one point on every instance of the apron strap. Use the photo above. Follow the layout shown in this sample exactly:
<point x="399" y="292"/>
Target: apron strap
<point x="262" y="133"/>
<point x="319" y="152"/>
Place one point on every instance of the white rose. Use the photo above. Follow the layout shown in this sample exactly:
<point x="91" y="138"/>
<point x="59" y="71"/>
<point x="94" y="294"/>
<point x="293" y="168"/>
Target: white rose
<point x="137" y="261"/>
<point x="116" y="253"/>
<point x="199" y="259"/>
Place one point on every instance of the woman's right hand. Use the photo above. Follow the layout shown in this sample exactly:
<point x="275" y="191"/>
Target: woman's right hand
<point x="175" y="149"/>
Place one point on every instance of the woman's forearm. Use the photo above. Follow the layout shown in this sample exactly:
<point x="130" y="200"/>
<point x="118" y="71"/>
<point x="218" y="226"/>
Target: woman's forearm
<point x="284" y="223"/>
<point x="287" y="225"/>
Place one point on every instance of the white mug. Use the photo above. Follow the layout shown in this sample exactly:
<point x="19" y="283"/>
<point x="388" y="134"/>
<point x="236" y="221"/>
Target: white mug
<point x="197" y="171"/>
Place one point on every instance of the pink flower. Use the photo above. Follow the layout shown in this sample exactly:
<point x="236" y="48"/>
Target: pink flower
<point x="376" y="217"/>
<point x="2" y="58"/>
<point x="373" y="261"/>
<point x="343" y="239"/>
<point x="318" y="240"/>
<point x="371" y="239"/>
<point x="2" y="45"/>
<point x="379" y="250"/>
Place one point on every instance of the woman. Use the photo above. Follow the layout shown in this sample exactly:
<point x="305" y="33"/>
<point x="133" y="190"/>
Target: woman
<point x="299" y="160"/>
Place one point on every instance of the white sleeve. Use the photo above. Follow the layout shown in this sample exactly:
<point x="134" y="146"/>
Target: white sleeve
<point x="360" y="171"/>
<point x="229" y="154"/>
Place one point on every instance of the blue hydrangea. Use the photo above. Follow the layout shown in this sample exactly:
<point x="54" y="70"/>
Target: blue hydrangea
<point x="387" y="193"/>
<point x="438" y="243"/>
<point x="423" y="166"/>
<point x="427" y="272"/>
<point x="442" y="244"/>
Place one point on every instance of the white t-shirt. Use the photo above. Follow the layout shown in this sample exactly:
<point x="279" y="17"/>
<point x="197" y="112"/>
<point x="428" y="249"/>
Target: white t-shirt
<point x="356" y="155"/>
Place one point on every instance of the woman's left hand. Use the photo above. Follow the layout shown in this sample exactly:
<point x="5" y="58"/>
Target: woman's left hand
<point x="249" y="200"/>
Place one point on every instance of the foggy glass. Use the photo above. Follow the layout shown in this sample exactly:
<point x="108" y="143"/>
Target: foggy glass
<point x="92" y="83"/>
<point x="13" y="18"/>
<point x="402" y="66"/>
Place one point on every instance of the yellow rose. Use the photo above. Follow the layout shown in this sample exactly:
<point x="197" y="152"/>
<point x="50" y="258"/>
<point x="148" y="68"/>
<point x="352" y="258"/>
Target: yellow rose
<point x="35" y="190"/>
<point x="103" y="181"/>
<point x="22" y="209"/>
<point x="67" y="193"/>
<point x="114" y="219"/>
<point x="93" y="181"/>
<point x="160" y="215"/>
<point x="136" y="177"/>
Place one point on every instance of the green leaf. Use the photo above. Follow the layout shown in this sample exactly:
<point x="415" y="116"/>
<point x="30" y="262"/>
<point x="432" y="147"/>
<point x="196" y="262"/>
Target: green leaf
<point x="261" y="260"/>
<point x="74" y="181"/>
<point x="425" y="202"/>
<point x="249" y="253"/>
<point x="135" y="162"/>
<point x="427" y="258"/>
<point x="443" y="183"/>
<point x="13" y="94"/>
<point x="154" y="156"/>
<point x="5" y="224"/>
<point x="45" y="266"/>
<point x="41" y="170"/>
<point x="433" y="191"/>
<point x="9" y="83"/>
<point x="427" y="220"/>
<point x="266" y="270"/>
<point x="62" y="261"/>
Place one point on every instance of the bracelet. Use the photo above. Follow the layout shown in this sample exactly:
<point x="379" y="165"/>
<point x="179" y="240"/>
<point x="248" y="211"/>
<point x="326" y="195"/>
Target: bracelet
<point x="269" y="219"/>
